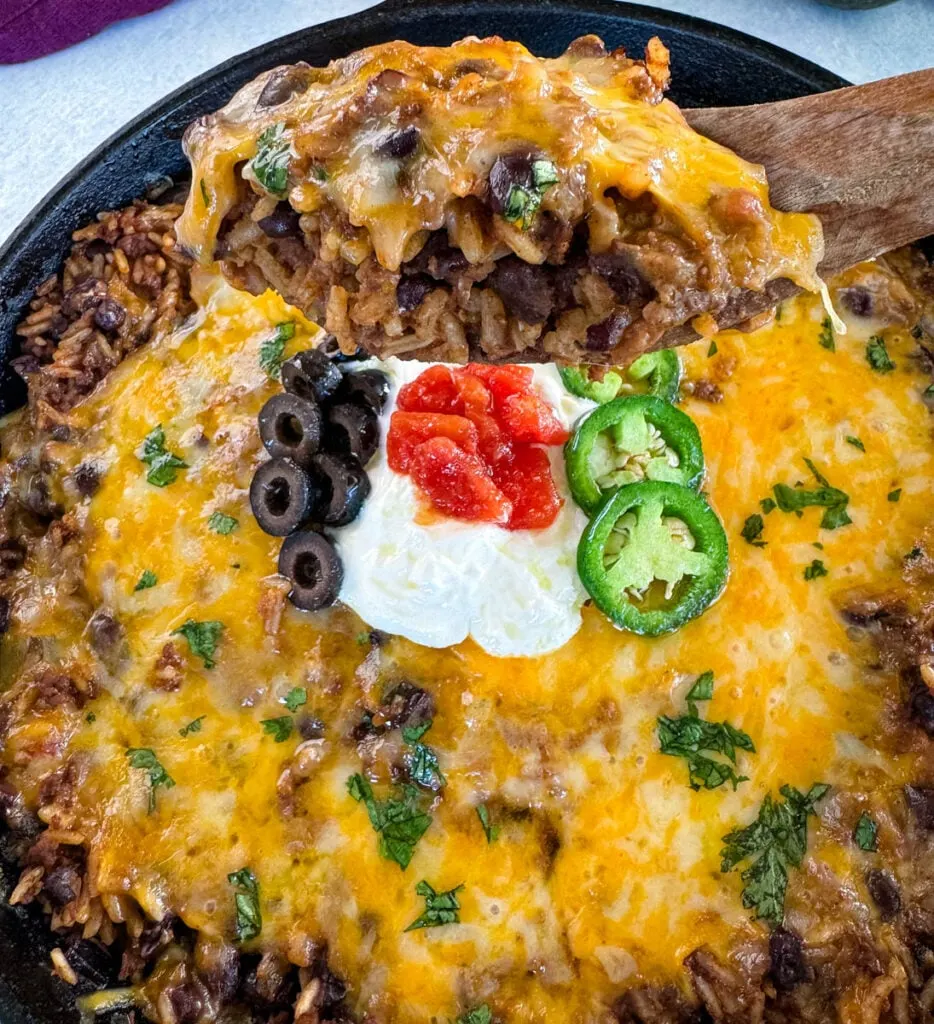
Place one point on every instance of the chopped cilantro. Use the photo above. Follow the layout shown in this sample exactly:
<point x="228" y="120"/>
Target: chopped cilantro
<point x="440" y="907"/>
<point x="826" y="336"/>
<point x="815" y="570"/>
<point x="147" y="579"/>
<point x="767" y="505"/>
<point x="476" y="1015"/>
<point x="202" y="638"/>
<point x="319" y="173"/>
<point x="193" y="726"/>
<point x="855" y="441"/>
<point x="522" y="202"/>
<point x="271" y="164"/>
<point x="413" y="733"/>
<point x="279" y="728"/>
<point x="204" y="193"/>
<point x="865" y="833"/>
<point x="490" y="830"/>
<point x="778" y="840"/>
<point x="712" y="350"/>
<point x="163" y="464"/>
<point x="400" y="822"/>
<point x="90" y="717"/>
<point x="246" y="900"/>
<point x="423" y="767"/>
<point x="222" y="523"/>
<point x="877" y="355"/>
<point x="295" y="698"/>
<point x="752" y="530"/>
<point x="833" y="500"/>
<point x="688" y="735"/>
<point x="895" y="495"/>
<point x="272" y="349"/>
<point x="928" y="391"/>
<point x="914" y="555"/>
<point x="143" y="757"/>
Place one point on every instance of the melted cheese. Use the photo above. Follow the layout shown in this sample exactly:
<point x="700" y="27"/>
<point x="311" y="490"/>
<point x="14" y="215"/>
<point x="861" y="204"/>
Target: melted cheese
<point x="593" y="116"/>
<point x="567" y="739"/>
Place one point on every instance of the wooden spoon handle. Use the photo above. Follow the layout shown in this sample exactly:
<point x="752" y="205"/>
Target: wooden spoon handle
<point x="861" y="157"/>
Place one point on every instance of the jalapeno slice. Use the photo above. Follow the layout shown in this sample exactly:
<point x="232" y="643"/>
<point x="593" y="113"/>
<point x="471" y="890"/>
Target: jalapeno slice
<point x="632" y="439"/>
<point x="653" y="557"/>
<point x="655" y="373"/>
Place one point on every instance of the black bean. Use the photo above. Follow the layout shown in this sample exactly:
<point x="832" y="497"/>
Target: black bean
<point x="186" y="1002"/>
<point x="619" y="271"/>
<point x="283" y="84"/>
<point x="885" y="893"/>
<point x="407" y="705"/>
<point x="309" y="727"/>
<point x="400" y="143"/>
<point x="109" y="315"/>
<point x="311" y="374"/>
<point x="283" y="222"/>
<point x="104" y="632"/>
<point x="93" y="962"/>
<point x="57" y="326"/>
<point x="137" y="245"/>
<point x="309" y="560"/>
<point x="411" y="291"/>
<point x="38" y="499"/>
<point x="526" y="290"/>
<point x="282" y="496"/>
<point x="290" y="428"/>
<point x="96" y="247"/>
<point x="25" y="365"/>
<point x="921" y="705"/>
<point x="4" y="614"/>
<point x="507" y="171"/>
<point x="83" y="296"/>
<point x="608" y="333"/>
<point x="921" y="802"/>
<point x="87" y="479"/>
<point x="789" y="967"/>
<point x="62" y="884"/>
<point x="156" y="935"/>
<point x="344" y="486"/>
<point x="352" y="430"/>
<point x="858" y="300"/>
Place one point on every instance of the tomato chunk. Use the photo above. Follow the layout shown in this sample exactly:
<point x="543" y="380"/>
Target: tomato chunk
<point x="434" y="390"/>
<point x="525" y="478"/>
<point x="407" y="430"/>
<point x="457" y="482"/>
<point x="529" y="419"/>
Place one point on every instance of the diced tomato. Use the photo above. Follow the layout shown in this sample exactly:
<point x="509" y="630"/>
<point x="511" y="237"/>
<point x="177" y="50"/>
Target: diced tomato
<point x="519" y="376"/>
<point x="493" y="444"/>
<point x="527" y="418"/>
<point x="407" y="430"/>
<point x="525" y="478"/>
<point x="458" y="483"/>
<point x="434" y="390"/>
<point x="473" y="395"/>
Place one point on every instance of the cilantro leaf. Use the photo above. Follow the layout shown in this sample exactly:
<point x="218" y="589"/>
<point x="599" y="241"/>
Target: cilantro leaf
<point x="222" y="523"/>
<point x="143" y="757"/>
<point x="476" y="1015"/>
<point x="204" y="193"/>
<point x="702" y="688"/>
<point x="490" y="830"/>
<point x="423" y="767"/>
<point x="855" y="441"/>
<point x="400" y="823"/>
<point x="767" y="505"/>
<point x="778" y="840"/>
<point x="712" y="350"/>
<point x="832" y="499"/>
<point x="147" y="579"/>
<point x="279" y="728"/>
<point x="246" y="900"/>
<point x="295" y="698"/>
<point x="895" y="495"/>
<point x="523" y="201"/>
<point x="752" y="530"/>
<point x="689" y="735"/>
<point x="815" y="570"/>
<point x="202" y="638"/>
<point x="440" y="907"/>
<point x="877" y="355"/>
<point x="271" y="164"/>
<point x="826" y="336"/>
<point x="271" y="349"/>
<point x="413" y="733"/>
<point x="193" y="726"/>
<point x="865" y="833"/>
<point x="163" y="464"/>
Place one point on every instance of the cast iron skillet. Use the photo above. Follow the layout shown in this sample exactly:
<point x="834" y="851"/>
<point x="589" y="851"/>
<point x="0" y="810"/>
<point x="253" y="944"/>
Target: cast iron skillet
<point x="711" y="66"/>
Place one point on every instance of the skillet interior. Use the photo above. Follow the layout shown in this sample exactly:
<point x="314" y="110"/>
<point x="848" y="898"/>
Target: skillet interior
<point x="712" y="66"/>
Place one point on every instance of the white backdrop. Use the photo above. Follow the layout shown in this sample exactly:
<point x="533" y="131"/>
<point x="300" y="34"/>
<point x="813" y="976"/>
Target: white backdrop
<point x="55" y="110"/>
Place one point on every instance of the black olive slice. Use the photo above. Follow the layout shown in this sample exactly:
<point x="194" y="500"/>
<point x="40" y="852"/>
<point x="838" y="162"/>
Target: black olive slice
<point x="311" y="374"/>
<point x="309" y="560"/>
<point x="282" y="496"/>
<point x="352" y="430"/>
<point x="365" y="387"/>
<point x="344" y="487"/>
<point x="291" y="428"/>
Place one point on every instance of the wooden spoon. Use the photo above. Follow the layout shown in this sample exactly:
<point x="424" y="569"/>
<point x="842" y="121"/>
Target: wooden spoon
<point x="862" y="158"/>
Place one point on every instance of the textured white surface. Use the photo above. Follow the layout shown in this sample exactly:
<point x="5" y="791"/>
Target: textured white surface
<point x="55" y="110"/>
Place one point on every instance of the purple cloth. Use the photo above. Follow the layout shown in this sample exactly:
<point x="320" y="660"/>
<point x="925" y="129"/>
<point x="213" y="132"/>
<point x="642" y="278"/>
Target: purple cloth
<point x="33" y="28"/>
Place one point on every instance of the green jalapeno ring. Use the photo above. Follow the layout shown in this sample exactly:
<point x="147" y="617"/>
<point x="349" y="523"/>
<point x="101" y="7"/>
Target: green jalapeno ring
<point x="661" y="372"/>
<point x="650" y="552"/>
<point x="627" y="419"/>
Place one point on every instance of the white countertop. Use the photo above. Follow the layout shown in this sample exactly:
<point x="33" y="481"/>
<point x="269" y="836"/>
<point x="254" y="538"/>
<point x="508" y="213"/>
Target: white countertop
<point x="55" y="110"/>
